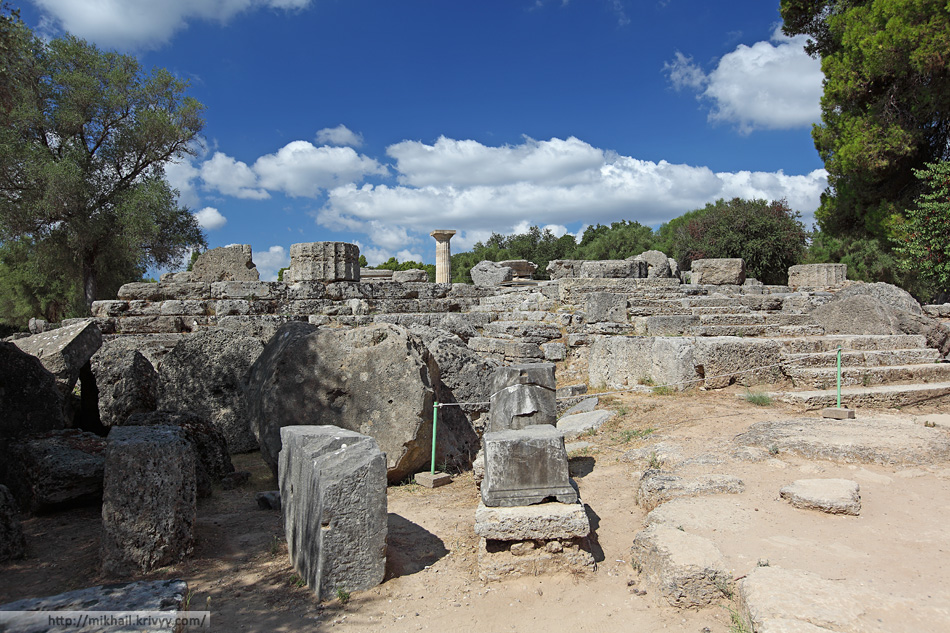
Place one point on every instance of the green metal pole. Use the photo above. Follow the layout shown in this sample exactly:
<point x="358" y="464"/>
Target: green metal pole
<point x="839" y="376"/>
<point x="435" y="417"/>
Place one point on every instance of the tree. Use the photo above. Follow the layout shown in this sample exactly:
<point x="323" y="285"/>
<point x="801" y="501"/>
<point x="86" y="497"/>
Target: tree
<point x="82" y="152"/>
<point x="394" y="264"/>
<point x="886" y="104"/>
<point x="925" y="246"/>
<point x="536" y="245"/>
<point x="620" y="240"/>
<point x="767" y="235"/>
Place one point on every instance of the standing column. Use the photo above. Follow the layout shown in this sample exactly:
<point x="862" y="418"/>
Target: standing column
<point x="443" y="256"/>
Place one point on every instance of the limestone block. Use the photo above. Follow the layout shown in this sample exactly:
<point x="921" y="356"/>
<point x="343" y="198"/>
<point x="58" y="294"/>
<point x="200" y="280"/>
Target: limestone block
<point x="606" y="306"/>
<point x="684" y="569"/>
<point x="126" y="381"/>
<point x="413" y="275"/>
<point x="718" y="272"/>
<point x="721" y="358"/>
<point x="486" y="274"/>
<point x="371" y="275"/>
<point x="577" y="424"/>
<point x="621" y="361"/>
<point x="561" y="268"/>
<point x="12" y="543"/>
<point x="525" y="466"/>
<point x="188" y="290"/>
<point x="585" y="405"/>
<point x="658" y="264"/>
<point x="148" y="501"/>
<point x="323" y="261"/>
<point x="64" y="351"/>
<point x="144" y="291"/>
<point x="554" y="352"/>
<point x="500" y="560"/>
<point x="522" y="395"/>
<point x="657" y="486"/>
<point x="250" y="290"/>
<point x="108" y="308"/>
<point x="546" y="521"/>
<point x="59" y="469"/>
<point x="151" y="325"/>
<point x="227" y="263"/>
<point x="520" y="268"/>
<point x="30" y="400"/>
<point x="333" y="499"/>
<point x="817" y="276"/>
<point x="613" y="268"/>
<point x="833" y="496"/>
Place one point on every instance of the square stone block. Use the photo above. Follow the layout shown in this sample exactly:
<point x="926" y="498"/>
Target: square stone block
<point x="433" y="480"/>
<point x="523" y="395"/>
<point x="526" y="466"/>
<point x="834" y="413"/>
<point x="544" y="521"/>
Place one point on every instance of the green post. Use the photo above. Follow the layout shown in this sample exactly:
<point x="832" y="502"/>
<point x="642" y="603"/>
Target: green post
<point x="839" y="376"/>
<point x="435" y="417"/>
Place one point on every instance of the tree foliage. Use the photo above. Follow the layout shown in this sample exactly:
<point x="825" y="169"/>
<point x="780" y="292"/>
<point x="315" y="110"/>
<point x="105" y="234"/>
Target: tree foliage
<point x="536" y="245"/>
<point x="925" y="239"/>
<point x="620" y="240"/>
<point x="394" y="264"/>
<point x="886" y="104"/>
<point x="82" y="151"/>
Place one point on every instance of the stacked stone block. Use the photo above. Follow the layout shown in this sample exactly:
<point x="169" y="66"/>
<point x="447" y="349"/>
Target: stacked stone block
<point x="324" y="261"/>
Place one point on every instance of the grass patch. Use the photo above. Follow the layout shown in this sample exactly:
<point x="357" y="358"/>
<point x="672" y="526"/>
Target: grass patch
<point x="628" y="435"/>
<point x="664" y="391"/>
<point x="297" y="581"/>
<point x="738" y="622"/>
<point x="655" y="462"/>
<point x="342" y="595"/>
<point x="758" y="398"/>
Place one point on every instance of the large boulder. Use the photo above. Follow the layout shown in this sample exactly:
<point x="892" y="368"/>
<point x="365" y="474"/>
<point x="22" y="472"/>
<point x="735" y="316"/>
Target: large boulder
<point x="378" y="380"/>
<point x="64" y="351"/>
<point x="125" y="382"/>
<point x="658" y="264"/>
<point x="211" y="448"/>
<point x="488" y="274"/>
<point x="58" y="469"/>
<point x="718" y="272"/>
<point x="12" y="542"/>
<point x="228" y="263"/>
<point x="30" y="401"/>
<point x="206" y="374"/>
<point x="885" y="293"/>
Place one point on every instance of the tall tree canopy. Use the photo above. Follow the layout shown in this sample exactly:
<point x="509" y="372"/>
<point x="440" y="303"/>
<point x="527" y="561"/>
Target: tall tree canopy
<point x="925" y="236"/>
<point x="886" y="103"/>
<point x="83" y="146"/>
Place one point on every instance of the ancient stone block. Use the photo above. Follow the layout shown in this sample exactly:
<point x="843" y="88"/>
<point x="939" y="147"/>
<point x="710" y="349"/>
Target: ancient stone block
<point x="323" y="261"/>
<point x="520" y="268"/>
<point x="554" y="352"/>
<point x="684" y="569"/>
<point x="126" y="382"/>
<point x="148" y="501"/>
<point x="372" y="275"/>
<point x="12" y="543"/>
<point x="486" y="274"/>
<point x="64" y="351"/>
<point x="151" y="325"/>
<point x="500" y="560"/>
<point x="657" y="486"/>
<point x="545" y="521"/>
<point x="144" y="291"/>
<point x="833" y="496"/>
<point x="561" y="268"/>
<point x="250" y="290"/>
<point x="817" y="276"/>
<point x="658" y="264"/>
<point x="522" y="395"/>
<point x="525" y="466"/>
<point x="30" y="400"/>
<point x="718" y="272"/>
<point x="725" y="360"/>
<point x="623" y="361"/>
<point x="227" y="263"/>
<point x="577" y="424"/>
<point x="613" y="268"/>
<point x="413" y="275"/>
<point x="606" y="306"/>
<point x="333" y="498"/>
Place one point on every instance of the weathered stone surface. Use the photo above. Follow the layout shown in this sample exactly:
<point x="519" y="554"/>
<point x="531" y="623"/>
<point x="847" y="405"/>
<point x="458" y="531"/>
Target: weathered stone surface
<point x="837" y="414"/>
<point x="658" y="264"/>
<point x="333" y="499"/>
<point x="147" y="291"/>
<point x="433" y="480"/>
<point x="213" y="462"/>
<point x="12" y="542"/>
<point x="613" y="268"/>
<point x="606" y="307"/>
<point x="486" y="274"/>
<point x="717" y="272"/>
<point x="125" y="381"/>
<point x="817" y="276"/>
<point x="323" y="261"/>
<point x="882" y="441"/>
<point x="621" y="361"/>
<point x="657" y="486"/>
<point x="833" y="496"/>
<point x="148" y="502"/>
<point x="227" y="263"/>
<point x="887" y="294"/>
<point x="58" y="469"/>
<point x="666" y="453"/>
<point x="206" y="373"/>
<point x="684" y="569"/>
<point x="726" y="360"/>
<point x="500" y="560"/>
<point x="561" y="268"/>
<point x="144" y="595"/>
<point x="268" y="500"/>
<point x="577" y="424"/>
<point x="724" y="514"/>
<point x="585" y="405"/>
<point x="413" y="275"/>
<point x="554" y="352"/>
<point x="30" y="401"/>
<point x="379" y="380"/>
<point x="525" y="466"/>
<point x="371" y="275"/>
<point x="522" y="395"/>
<point x="262" y="327"/>
<point x="64" y="351"/>
<point x="545" y="521"/>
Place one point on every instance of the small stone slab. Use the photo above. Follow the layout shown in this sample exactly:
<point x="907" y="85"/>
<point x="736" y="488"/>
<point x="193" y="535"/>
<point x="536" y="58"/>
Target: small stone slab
<point x="573" y="426"/>
<point x="433" y="480"/>
<point x="657" y="486"/>
<point x="834" y="413"/>
<point x="585" y="405"/>
<point x="545" y="521"/>
<point x="834" y="496"/>
<point x="684" y="569"/>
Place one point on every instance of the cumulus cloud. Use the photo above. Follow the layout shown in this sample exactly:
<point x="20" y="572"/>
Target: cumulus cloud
<point x="181" y="176"/>
<point x="269" y="262"/>
<point x="769" y="85"/>
<point x="300" y="169"/>
<point x="231" y="177"/>
<point x="339" y="135"/>
<point x="134" y="24"/>
<point x="210" y="219"/>
<point x="552" y="183"/>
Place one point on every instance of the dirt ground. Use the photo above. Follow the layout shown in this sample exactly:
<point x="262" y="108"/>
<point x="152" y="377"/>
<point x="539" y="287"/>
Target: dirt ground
<point x="240" y="572"/>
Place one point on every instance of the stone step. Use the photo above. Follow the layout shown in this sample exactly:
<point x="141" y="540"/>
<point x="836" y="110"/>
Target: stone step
<point x="866" y="358"/>
<point x="853" y="342"/>
<point x="878" y="396"/>
<point x="732" y="309"/>
<point x="757" y="330"/>
<point x="750" y="318"/>
<point x="825" y="377"/>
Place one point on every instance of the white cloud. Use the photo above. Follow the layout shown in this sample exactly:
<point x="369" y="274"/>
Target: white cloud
<point x="339" y="135"/>
<point x="231" y="177"/>
<point x="269" y="262"/>
<point x="300" y="169"/>
<point x="210" y="219"/>
<point x="406" y="255"/>
<point x="769" y="85"/>
<point x="133" y="24"/>
<point x="552" y="187"/>
<point x="181" y="176"/>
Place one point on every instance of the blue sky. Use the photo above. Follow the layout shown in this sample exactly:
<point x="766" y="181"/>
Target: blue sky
<point x="378" y="121"/>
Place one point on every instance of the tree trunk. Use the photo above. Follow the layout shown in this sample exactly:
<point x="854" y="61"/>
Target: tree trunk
<point x="90" y="287"/>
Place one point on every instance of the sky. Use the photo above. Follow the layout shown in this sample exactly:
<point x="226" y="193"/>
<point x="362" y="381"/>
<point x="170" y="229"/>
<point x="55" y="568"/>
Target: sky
<point x="379" y="121"/>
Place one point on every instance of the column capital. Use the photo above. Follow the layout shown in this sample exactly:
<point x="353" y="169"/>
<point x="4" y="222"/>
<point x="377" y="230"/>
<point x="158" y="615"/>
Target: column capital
<point x="442" y="235"/>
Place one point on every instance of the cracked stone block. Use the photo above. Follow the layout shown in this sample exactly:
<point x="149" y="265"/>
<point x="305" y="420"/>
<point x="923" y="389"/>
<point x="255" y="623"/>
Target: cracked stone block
<point x="526" y="466"/>
<point x="833" y="496"/>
